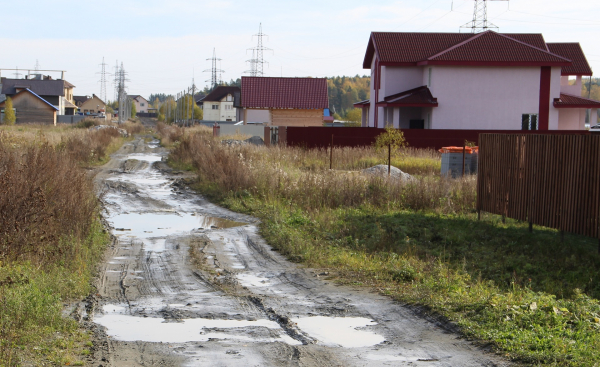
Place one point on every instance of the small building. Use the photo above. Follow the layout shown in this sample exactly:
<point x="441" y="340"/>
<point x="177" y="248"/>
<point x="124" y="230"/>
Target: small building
<point x="284" y="101"/>
<point x="89" y="105"/>
<point x="221" y="104"/>
<point x="31" y="108"/>
<point x="58" y="93"/>
<point x="141" y="103"/>
<point x="484" y="81"/>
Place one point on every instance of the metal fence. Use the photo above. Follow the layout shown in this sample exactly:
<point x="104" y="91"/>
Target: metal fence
<point x="321" y="137"/>
<point x="69" y="119"/>
<point x="547" y="180"/>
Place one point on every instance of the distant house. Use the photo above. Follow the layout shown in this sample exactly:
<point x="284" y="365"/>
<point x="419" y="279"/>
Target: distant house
<point x="474" y="81"/>
<point x="221" y="104"/>
<point x="58" y="93"/>
<point x="141" y="103"/>
<point x="284" y="101"/>
<point x="31" y="108"/>
<point x="89" y="105"/>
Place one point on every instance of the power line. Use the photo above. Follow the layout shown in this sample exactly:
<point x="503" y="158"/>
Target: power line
<point x="214" y="71"/>
<point x="103" y="81"/>
<point x="257" y="62"/>
<point x="480" y="23"/>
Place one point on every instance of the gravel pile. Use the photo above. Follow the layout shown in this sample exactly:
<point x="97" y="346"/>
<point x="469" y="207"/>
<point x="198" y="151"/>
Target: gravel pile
<point x="123" y="132"/>
<point x="256" y="140"/>
<point x="231" y="142"/>
<point x="382" y="170"/>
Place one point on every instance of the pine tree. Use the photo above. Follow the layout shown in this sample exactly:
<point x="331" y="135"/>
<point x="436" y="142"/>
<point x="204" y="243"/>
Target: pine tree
<point x="9" y="113"/>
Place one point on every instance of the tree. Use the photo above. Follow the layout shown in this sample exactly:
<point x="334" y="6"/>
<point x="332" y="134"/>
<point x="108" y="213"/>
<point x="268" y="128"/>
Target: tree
<point x="354" y="115"/>
<point x="133" y="110"/>
<point x="198" y="113"/>
<point x="9" y="113"/>
<point x="394" y="140"/>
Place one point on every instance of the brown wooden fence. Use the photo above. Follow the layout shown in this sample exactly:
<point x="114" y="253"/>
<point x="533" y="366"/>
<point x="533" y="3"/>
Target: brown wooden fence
<point x="547" y="180"/>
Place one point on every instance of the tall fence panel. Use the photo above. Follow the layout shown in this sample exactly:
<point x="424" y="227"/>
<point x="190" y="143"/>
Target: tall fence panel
<point x="547" y="180"/>
<point x="320" y="137"/>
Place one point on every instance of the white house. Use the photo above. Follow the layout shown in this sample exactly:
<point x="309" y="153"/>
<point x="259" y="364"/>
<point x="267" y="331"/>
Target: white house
<point x="141" y="103"/>
<point x="474" y="81"/>
<point x="221" y="104"/>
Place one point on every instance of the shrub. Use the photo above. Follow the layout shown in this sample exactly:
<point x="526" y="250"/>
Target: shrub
<point x="9" y="113"/>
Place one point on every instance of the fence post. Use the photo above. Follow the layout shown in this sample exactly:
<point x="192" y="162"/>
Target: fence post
<point x="389" y="159"/>
<point x="331" y="154"/>
<point x="216" y="130"/>
<point x="464" y="152"/>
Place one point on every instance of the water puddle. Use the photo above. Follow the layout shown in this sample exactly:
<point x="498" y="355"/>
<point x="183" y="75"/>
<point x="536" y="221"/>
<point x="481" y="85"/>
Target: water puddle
<point x="250" y="280"/>
<point x="162" y="224"/>
<point x="340" y="331"/>
<point x="148" y="329"/>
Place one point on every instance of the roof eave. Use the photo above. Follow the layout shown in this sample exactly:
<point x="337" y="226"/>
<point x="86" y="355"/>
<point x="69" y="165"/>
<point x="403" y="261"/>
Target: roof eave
<point x="493" y="63"/>
<point x="370" y="53"/>
<point x="399" y="104"/>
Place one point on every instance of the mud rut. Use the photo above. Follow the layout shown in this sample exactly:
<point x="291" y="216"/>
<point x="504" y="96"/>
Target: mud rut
<point x="187" y="283"/>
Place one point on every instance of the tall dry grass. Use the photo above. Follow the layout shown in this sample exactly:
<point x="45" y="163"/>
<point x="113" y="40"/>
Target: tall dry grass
<point x="50" y="237"/>
<point x="302" y="176"/>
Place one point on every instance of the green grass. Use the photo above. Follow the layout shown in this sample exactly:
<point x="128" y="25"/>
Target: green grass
<point x="533" y="296"/>
<point x="33" y="327"/>
<point x="491" y="279"/>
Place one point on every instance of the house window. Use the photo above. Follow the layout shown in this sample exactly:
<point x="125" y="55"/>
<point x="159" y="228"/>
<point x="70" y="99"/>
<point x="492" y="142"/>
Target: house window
<point x="429" y="80"/>
<point x="529" y="121"/>
<point x="141" y="104"/>
<point x="215" y="107"/>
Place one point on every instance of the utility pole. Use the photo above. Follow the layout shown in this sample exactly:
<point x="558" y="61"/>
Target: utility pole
<point x="124" y="101"/>
<point x="480" y="23"/>
<point x="213" y="71"/>
<point x="257" y="62"/>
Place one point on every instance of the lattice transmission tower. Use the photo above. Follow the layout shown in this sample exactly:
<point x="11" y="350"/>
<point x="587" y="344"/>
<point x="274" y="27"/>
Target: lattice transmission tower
<point x="215" y="73"/>
<point x="257" y="62"/>
<point x="480" y="23"/>
<point x="103" y="81"/>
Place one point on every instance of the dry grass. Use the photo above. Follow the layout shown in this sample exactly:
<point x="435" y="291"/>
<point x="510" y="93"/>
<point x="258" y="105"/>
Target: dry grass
<point x="50" y="237"/>
<point x="302" y="176"/>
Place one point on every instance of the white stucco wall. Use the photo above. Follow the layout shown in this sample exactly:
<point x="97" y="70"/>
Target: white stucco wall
<point x="400" y="79"/>
<point x="574" y="89"/>
<point x="210" y="114"/>
<point x="571" y="119"/>
<point x="554" y="93"/>
<point x="483" y="97"/>
<point x="371" y="112"/>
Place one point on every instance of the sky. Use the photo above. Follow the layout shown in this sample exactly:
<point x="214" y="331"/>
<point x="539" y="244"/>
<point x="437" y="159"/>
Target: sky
<point x="165" y="44"/>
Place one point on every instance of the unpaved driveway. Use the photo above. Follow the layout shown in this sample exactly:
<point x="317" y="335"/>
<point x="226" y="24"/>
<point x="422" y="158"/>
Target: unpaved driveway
<point x="188" y="283"/>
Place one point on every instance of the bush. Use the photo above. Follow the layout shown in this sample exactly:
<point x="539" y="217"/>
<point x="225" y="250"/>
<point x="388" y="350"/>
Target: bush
<point x="9" y="113"/>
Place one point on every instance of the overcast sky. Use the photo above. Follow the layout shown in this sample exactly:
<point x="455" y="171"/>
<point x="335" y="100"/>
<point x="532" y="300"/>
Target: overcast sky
<point x="163" y="44"/>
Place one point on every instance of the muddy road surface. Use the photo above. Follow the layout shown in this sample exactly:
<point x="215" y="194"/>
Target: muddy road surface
<point x="187" y="283"/>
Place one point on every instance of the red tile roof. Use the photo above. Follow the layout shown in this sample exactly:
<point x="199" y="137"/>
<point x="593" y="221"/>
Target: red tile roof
<point x="571" y="101"/>
<point x="491" y="47"/>
<point x="362" y="104"/>
<point x="573" y="52"/>
<point x="298" y="93"/>
<point x="417" y="97"/>
<point x="455" y="48"/>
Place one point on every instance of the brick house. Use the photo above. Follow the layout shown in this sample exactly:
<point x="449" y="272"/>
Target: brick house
<point x="284" y="101"/>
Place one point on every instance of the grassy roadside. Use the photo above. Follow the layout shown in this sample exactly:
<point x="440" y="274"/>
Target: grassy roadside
<point x="532" y="296"/>
<point x="50" y="238"/>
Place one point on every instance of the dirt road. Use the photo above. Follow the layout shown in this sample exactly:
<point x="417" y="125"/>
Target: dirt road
<point x="188" y="283"/>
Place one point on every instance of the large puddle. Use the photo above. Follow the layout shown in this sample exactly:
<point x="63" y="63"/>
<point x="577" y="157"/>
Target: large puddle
<point x="157" y="330"/>
<point x="340" y="331"/>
